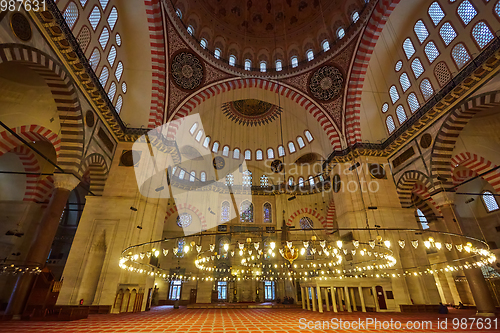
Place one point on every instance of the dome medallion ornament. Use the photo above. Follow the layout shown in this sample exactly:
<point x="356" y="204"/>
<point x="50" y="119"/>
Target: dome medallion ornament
<point x="187" y="70"/>
<point x="326" y="83"/>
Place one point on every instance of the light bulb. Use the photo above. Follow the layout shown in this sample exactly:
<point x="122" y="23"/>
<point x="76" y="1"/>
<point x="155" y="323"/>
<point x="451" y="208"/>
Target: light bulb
<point x="157" y="253"/>
<point x="302" y="251"/>
<point x="226" y="247"/>
<point x="427" y="244"/>
<point x="387" y="243"/>
<point x="273" y="245"/>
<point x="339" y="244"/>
<point x="186" y="249"/>
<point x="438" y="245"/>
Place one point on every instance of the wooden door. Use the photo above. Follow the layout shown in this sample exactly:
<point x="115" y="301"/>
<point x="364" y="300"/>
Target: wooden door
<point x="192" y="296"/>
<point x="381" y="298"/>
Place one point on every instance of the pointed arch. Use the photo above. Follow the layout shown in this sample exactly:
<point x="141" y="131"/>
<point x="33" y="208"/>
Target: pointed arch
<point x="175" y="209"/>
<point x="477" y="164"/>
<point x="96" y="168"/>
<point x="307" y="212"/>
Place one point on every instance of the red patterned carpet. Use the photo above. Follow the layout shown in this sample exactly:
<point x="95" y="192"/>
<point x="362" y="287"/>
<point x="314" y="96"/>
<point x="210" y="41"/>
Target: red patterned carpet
<point x="166" y="319"/>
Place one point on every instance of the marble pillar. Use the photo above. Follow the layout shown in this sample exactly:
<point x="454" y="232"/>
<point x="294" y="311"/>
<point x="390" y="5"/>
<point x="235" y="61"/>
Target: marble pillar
<point x="334" y="301"/>
<point x="303" y="294"/>
<point x="320" y="300"/>
<point x="362" y="299"/>
<point x="347" y="299"/>
<point x="327" y="299"/>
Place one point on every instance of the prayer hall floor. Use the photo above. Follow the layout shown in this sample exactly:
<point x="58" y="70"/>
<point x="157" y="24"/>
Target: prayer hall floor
<point x="167" y="319"/>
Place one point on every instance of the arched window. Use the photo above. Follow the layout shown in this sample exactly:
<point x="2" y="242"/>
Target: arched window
<point x="417" y="67"/>
<point x="232" y="60"/>
<point x="199" y="135"/>
<point x="413" y="102"/>
<point x="408" y="48"/>
<point x="291" y="147"/>
<point x="247" y="178"/>
<point x="184" y="220"/>
<point x="258" y="155"/>
<point x="489" y="201"/>
<point x="190" y="30"/>
<point x="112" y="91"/>
<point x="393" y="92"/>
<point x="192" y="176"/>
<point x="82" y="2"/>
<point x="225" y="211"/>
<point x="300" y="142"/>
<point x="442" y="73"/>
<point x="355" y="16"/>
<point x="422" y="219"/>
<point x="236" y="153"/>
<point x="217" y="53"/>
<point x="215" y="147"/>
<point x="71" y="14"/>
<point x="301" y="182"/>
<point x="206" y="142"/>
<point x="340" y="33"/>
<point x="95" y="58"/>
<point x="225" y="151"/>
<point x="267" y="218"/>
<point x="112" y="56"/>
<point x="400" y="112"/>
<point x="385" y="107"/>
<point x="447" y="33"/>
<point x="103" y="78"/>
<point x="112" y="18"/>
<point x="309" y="136"/>
<point x="119" y="71"/>
<point x="193" y="128"/>
<point x="436" y="13"/>
<point x="325" y="45"/>
<point x="295" y="61"/>
<point x="460" y="55"/>
<point x="179" y="13"/>
<point x="84" y="38"/>
<point x="311" y="181"/>
<point x="180" y="247"/>
<point x="264" y="180"/>
<point x="246" y="212"/>
<point x="389" y="121"/>
<point x="229" y="179"/>
<point x="482" y="34"/>
<point x="119" y="104"/>
<point x="95" y="17"/>
<point x="104" y="37"/>
<point x="398" y="66"/>
<point x="306" y="223"/>
<point x="203" y="43"/>
<point x="203" y="176"/>
<point x="405" y="82"/>
<point x="497" y="8"/>
<point x="270" y="153"/>
<point x="421" y="31"/>
<point x="431" y="51"/>
<point x="466" y="11"/>
<point x="118" y="39"/>
<point x="182" y="173"/>
<point x="248" y="64"/>
<point x="248" y="154"/>
<point x="263" y="66"/>
<point x="279" y="65"/>
<point x="426" y="88"/>
<point x="281" y="151"/>
<point x="290" y="181"/>
<point x="124" y="87"/>
<point x="310" y="55"/>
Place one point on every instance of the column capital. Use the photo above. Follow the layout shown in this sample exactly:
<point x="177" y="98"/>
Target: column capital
<point x="65" y="181"/>
<point x="444" y="198"/>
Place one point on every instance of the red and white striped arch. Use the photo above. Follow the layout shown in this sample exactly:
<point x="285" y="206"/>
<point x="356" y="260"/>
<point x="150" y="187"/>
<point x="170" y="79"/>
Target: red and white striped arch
<point x="30" y="133"/>
<point x="478" y="165"/>
<point x="185" y="206"/>
<point x="157" y="42"/>
<point x="330" y="215"/>
<point x="233" y="84"/>
<point x="357" y="75"/>
<point x="31" y="167"/>
<point x="307" y="211"/>
<point x="460" y="176"/>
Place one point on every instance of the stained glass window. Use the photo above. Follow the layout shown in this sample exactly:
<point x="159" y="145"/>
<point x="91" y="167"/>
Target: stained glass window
<point x="400" y="112"/>
<point x="291" y="147"/>
<point x="466" y="11"/>
<point x="290" y="181"/>
<point x="482" y="34"/>
<point x="258" y="155"/>
<point x="421" y="31"/>
<point x="270" y="153"/>
<point x="119" y="71"/>
<point x="301" y="182"/>
<point x="405" y="82"/>
<point x="390" y="124"/>
<point x="393" y="92"/>
<point x="103" y="78"/>
<point x="236" y="153"/>
<point x="306" y="223"/>
<point x="436" y="13"/>
<point x="267" y="213"/>
<point x="71" y="15"/>
<point x="246" y="212"/>
<point x="447" y="33"/>
<point x="248" y="64"/>
<point x="460" y="55"/>
<point x="325" y="45"/>
<point x="95" y="17"/>
<point x="247" y="178"/>
<point x="192" y="176"/>
<point x="190" y="30"/>
<point x="413" y="102"/>
<point x="206" y="142"/>
<point x="300" y="142"/>
<point x="295" y="62"/>
<point x="279" y="65"/>
<point x="310" y="55"/>
<point x="489" y="201"/>
<point x="193" y="128"/>
<point x="104" y="38"/>
<point x="385" y="107"/>
<point x="408" y="48"/>
<point x="417" y="67"/>
<point x="184" y="220"/>
<point x="340" y="33"/>
<point x="119" y="104"/>
<point x="422" y="219"/>
<point x="225" y="151"/>
<point x="180" y="247"/>
<point x="199" y="135"/>
<point x="431" y="51"/>
<point x="264" y="180"/>
<point x="426" y="88"/>
<point x="203" y="176"/>
<point x="112" y="91"/>
<point x="112" y="56"/>
<point x="398" y="66"/>
<point x="203" y="43"/>
<point x="217" y="53"/>
<point x="281" y="151"/>
<point x="232" y="60"/>
<point x="248" y="154"/>
<point x="309" y="136"/>
<point x="355" y="17"/>
<point x="215" y="147"/>
<point x="263" y="66"/>
<point x="229" y="179"/>
<point x="225" y="212"/>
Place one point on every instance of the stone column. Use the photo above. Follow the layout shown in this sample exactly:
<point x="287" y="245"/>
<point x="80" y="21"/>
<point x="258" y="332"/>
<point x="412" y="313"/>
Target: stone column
<point x="327" y="300"/>
<point x="353" y="300"/>
<point x="362" y="298"/>
<point x="313" y="293"/>
<point x="303" y="294"/>
<point x="347" y="300"/>
<point x="334" y="301"/>
<point x="341" y="306"/>
<point x="320" y="300"/>
<point x="307" y="299"/>
<point x="42" y="241"/>
<point x="482" y="297"/>
<point x="375" y="299"/>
